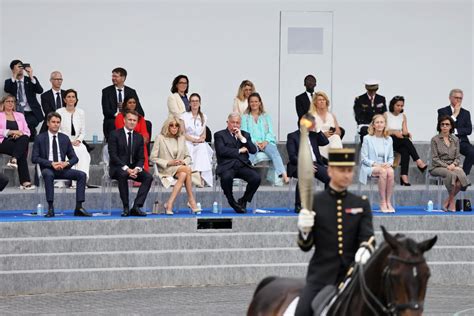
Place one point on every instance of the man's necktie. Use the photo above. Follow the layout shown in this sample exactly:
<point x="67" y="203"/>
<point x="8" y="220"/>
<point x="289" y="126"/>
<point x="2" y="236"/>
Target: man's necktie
<point x="55" y="149"/>
<point x="58" y="100"/>
<point x="21" y="98"/>
<point x="130" y="146"/>
<point x="119" y="95"/>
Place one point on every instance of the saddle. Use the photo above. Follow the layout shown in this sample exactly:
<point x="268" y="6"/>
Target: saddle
<point x="323" y="298"/>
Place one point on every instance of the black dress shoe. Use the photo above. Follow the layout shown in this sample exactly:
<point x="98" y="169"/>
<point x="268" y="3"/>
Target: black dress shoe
<point x="422" y="170"/>
<point x="403" y="183"/>
<point x="136" y="211"/>
<point x="125" y="212"/>
<point x="242" y="203"/>
<point x="50" y="213"/>
<point x="81" y="212"/>
<point x="237" y="207"/>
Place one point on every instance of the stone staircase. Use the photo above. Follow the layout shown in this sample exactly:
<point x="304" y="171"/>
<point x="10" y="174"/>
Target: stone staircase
<point x="80" y="255"/>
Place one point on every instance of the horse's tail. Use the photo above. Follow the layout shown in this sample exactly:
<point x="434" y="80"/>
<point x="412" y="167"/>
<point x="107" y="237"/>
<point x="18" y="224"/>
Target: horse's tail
<point x="263" y="283"/>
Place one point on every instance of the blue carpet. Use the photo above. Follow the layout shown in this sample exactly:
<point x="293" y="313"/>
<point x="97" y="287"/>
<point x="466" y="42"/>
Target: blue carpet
<point x="18" y="216"/>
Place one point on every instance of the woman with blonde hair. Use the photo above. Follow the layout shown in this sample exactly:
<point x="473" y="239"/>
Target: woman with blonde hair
<point x="377" y="160"/>
<point x="246" y="88"/>
<point x="326" y="122"/>
<point x="171" y="155"/>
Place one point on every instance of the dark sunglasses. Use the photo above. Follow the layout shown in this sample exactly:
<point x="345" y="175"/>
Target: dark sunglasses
<point x="445" y="124"/>
<point x="173" y="125"/>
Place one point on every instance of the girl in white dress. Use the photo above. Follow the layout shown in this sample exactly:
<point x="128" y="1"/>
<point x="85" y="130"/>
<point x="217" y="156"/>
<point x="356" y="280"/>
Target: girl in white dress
<point x="246" y="88"/>
<point x="326" y="122"/>
<point x="73" y="125"/>
<point x="195" y="134"/>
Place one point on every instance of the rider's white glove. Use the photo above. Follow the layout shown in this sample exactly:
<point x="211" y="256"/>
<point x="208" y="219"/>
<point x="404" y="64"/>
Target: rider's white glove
<point x="305" y="222"/>
<point x="362" y="255"/>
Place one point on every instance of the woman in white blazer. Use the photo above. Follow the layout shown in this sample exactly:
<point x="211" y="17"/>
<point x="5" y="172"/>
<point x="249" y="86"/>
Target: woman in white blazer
<point x="73" y="124"/>
<point x="178" y="102"/>
<point x="171" y="155"/>
<point x="377" y="160"/>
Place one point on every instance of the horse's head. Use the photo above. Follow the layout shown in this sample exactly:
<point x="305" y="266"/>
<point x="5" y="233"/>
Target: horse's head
<point x="406" y="274"/>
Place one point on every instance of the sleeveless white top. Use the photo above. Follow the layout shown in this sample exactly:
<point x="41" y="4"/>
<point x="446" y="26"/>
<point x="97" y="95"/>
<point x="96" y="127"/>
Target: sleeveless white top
<point x="394" y="122"/>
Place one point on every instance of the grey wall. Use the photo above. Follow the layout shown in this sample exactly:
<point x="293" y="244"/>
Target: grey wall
<point x="419" y="49"/>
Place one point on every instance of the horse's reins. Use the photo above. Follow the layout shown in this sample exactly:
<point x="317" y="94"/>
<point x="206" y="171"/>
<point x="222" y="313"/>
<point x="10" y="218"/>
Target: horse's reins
<point x="391" y="308"/>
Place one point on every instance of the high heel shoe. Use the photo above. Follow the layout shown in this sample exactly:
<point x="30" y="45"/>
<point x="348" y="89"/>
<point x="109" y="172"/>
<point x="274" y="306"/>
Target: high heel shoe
<point x="196" y="210"/>
<point x="168" y="212"/>
<point x="422" y="169"/>
<point x="403" y="183"/>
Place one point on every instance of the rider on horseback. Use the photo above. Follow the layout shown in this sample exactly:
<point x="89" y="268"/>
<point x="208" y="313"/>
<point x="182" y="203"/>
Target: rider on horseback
<point x="339" y="226"/>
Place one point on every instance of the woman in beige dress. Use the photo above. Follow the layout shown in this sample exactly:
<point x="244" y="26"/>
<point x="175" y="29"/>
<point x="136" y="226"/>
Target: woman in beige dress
<point x="171" y="155"/>
<point x="446" y="160"/>
<point x="326" y="122"/>
<point x="246" y="88"/>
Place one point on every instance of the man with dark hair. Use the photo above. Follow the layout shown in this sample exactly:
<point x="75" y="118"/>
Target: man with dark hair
<point x="340" y="228"/>
<point x="50" y="151"/>
<point x="25" y="88"/>
<point x="233" y="147"/>
<point x="52" y="99"/>
<point x="126" y="162"/>
<point x="112" y="99"/>
<point x="367" y="105"/>
<point x="319" y="168"/>
<point x="303" y="101"/>
<point x="462" y="126"/>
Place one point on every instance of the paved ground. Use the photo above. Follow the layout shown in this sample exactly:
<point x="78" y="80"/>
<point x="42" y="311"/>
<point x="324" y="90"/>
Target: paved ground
<point x="211" y="300"/>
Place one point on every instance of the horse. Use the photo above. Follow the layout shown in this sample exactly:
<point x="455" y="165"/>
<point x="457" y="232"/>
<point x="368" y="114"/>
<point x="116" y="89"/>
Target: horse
<point x="392" y="282"/>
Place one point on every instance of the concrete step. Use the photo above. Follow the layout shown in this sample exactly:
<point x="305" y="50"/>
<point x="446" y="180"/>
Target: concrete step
<point x="240" y="224"/>
<point x="182" y="241"/>
<point x="68" y="280"/>
<point x="183" y="257"/>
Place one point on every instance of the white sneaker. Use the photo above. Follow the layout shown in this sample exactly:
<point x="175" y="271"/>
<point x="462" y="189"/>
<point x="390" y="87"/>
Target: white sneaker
<point x="27" y="187"/>
<point x="12" y="164"/>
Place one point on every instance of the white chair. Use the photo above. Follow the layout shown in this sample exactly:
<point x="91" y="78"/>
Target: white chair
<point x="373" y="181"/>
<point x="439" y="186"/>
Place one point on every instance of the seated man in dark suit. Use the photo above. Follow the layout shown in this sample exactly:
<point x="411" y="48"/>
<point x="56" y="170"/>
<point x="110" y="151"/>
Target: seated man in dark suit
<point x="367" y="105"/>
<point x="126" y="162"/>
<point x="293" y="145"/>
<point x="50" y="151"/>
<point x="462" y="126"/>
<point x="3" y="181"/>
<point x="25" y="88"/>
<point x="303" y="101"/>
<point x="112" y="98"/>
<point x="232" y="151"/>
<point x="52" y="99"/>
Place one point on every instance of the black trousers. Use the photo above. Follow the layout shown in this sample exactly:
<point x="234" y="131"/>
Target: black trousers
<point x="49" y="175"/>
<point x="122" y="177"/>
<point x="32" y="122"/>
<point x="3" y="181"/>
<point x="18" y="148"/>
<point x="405" y="147"/>
<point x="364" y="130"/>
<point x="467" y="150"/>
<point x="321" y="175"/>
<point x="309" y="293"/>
<point x="245" y="173"/>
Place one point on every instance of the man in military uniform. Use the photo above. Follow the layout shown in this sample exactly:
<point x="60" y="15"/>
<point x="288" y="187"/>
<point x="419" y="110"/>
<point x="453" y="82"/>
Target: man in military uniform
<point x="339" y="226"/>
<point x="367" y="105"/>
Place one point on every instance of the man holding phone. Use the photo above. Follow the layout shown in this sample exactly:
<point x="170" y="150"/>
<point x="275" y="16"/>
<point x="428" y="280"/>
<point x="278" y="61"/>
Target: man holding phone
<point x="232" y="151"/>
<point x="25" y="89"/>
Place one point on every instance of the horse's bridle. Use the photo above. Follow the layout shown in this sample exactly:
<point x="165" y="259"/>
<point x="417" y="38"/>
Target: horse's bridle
<point x="391" y="308"/>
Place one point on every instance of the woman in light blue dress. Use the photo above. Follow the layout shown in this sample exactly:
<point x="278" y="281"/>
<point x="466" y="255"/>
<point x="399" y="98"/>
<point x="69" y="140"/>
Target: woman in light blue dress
<point x="377" y="160"/>
<point x="258" y="124"/>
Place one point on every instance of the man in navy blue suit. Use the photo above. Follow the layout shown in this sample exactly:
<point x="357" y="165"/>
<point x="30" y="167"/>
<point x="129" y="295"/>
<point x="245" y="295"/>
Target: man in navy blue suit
<point x="25" y="89"/>
<point x="293" y="145"/>
<point x="462" y="126"/>
<point x="232" y="151"/>
<point x="50" y="150"/>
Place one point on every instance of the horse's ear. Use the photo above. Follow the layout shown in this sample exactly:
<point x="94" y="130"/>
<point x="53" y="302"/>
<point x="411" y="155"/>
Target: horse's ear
<point x="427" y="244"/>
<point x="390" y="239"/>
